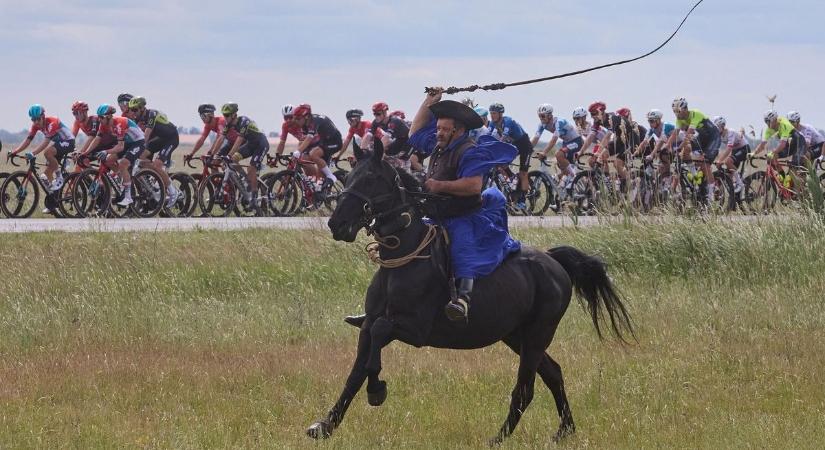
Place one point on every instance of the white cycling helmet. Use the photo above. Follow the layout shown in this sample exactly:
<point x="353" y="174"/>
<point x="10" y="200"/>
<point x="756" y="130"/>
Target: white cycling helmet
<point x="679" y="104"/>
<point x="794" y="116"/>
<point x="545" y="108"/>
<point x="770" y="115"/>
<point x="287" y="110"/>
<point x="654" y="114"/>
<point x="719" y="121"/>
<point x="579" y="112"/>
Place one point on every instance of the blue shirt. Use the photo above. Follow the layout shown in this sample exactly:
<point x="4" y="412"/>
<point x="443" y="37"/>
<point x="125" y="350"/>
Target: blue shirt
<point x="509" y="130"/>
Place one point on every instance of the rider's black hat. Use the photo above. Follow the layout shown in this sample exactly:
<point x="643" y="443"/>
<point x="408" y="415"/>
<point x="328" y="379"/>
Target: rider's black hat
<point x="458" y="111"/>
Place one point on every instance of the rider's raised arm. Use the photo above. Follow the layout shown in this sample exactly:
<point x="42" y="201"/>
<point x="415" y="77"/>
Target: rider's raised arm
<point x="423" y="116"/>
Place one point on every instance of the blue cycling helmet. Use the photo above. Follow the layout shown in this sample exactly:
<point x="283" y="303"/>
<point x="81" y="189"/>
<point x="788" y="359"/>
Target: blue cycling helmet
<point x="497" y="107"/>
<point x="36" y="111"/>
<point x="481" y="111"/>
<point x="105" y="110"/>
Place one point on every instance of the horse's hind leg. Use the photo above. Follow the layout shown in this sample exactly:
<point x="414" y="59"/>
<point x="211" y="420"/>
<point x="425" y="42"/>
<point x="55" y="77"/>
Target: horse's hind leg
<point x="522" y="394"/>
<point x="324" y="427"/>
<point x="550" y="372"/>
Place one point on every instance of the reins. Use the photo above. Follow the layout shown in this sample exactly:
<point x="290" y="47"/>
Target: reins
<point x="373" y="249"/>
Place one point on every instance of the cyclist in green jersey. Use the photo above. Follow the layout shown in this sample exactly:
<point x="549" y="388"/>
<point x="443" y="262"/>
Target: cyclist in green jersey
<point x="701" y="137"/>
<point x="791" y="142"/>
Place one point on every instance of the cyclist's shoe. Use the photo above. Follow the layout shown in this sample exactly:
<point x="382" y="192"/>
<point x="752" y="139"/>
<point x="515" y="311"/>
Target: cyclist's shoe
<point x="126" y="201"/>
<point x="173" y="197"/>
<point x="47" y="211"/>
<point x="738" y="186"/>
<point x="522" y="205"/>
<point x="56" y="184"/>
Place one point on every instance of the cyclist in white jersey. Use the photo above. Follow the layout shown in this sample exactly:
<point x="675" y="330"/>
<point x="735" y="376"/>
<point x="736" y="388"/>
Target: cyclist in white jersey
<point x="732" y="152"/>
<point x="814" y="140"/>
<point x="571" y="141"/>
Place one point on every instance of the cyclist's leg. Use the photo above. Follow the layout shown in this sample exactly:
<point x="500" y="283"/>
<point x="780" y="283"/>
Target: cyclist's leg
<point x="321" y="156"/>
<point x="51" y="160"/>
<point x="525" y="149"/>
<point x="156" y="149"/>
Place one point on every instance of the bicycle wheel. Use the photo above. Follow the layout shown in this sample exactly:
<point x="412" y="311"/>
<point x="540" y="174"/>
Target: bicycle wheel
<point x="541" y="196"/>
<point x="184" y="206"/>
<point x="260" y="209"/>
<point x="3" y="176"/>
<point x="760" y="194"/>
<point x="724" y="199"/>
<point x="284" y="193"/>
<point x="91" y="197"/>
<point x="148" y="193"/>
<point x="19" y="195"/>
<point x="65" y="197"/>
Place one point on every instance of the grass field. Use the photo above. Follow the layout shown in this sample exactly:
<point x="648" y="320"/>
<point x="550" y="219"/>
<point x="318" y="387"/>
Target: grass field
<point x="210" y="339"/>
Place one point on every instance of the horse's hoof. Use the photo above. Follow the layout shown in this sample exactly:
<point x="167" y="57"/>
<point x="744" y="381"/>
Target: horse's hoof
<point x="496" y="441"/>
<point x="319" y="430"/>
<point x="564" y="432"/>
<point x="377" y="398"/>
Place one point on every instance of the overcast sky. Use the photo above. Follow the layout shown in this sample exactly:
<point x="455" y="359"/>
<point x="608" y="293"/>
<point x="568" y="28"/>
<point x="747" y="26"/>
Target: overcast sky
<point x="343" y="54"/>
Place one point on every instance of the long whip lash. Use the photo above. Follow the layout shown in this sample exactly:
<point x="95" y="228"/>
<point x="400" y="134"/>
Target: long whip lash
<point x="498" y="86"/>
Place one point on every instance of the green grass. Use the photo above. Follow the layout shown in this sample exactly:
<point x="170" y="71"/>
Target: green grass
<point x="213" y="339"/>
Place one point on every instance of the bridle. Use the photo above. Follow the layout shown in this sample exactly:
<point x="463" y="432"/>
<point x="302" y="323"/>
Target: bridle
<point x="372" y="214"/>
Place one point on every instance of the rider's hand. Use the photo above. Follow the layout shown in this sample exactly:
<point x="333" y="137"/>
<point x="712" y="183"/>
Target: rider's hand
<point x="649" y="157"/>
<point x="432" y="185"/>
<point x="434" y="95"/>
<point x="541" y="156"/>
<point x="188" y="157"/>
<point x="30" y="156"/>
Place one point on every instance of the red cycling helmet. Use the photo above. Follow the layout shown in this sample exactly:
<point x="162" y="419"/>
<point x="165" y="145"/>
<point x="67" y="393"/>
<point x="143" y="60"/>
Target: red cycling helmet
<point x="596" y="106"/>
<point x="624" y="112"/>
<point x="400" y="114"/>
<point x="79" y="106"/>
<point x="380" y="107"/>
<point x="302" y="110"/>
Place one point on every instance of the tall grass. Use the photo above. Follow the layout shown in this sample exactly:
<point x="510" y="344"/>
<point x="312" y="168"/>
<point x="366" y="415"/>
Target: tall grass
<point x="234" y="339"/>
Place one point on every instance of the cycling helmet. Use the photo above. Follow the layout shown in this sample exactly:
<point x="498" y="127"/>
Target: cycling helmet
<point x="105" y="110"/>
<point x="794" y="116"/>
<point x="302" y="110"/>
<point x="497" y="107"/>
<point x="579" y="112"/>
<point x="624" y="112"/>
<point x="229" y="108"/>
<point x="137" y="102"/>
<point x="545" y="108"/>
<point x="679" y="104"/>
<point x="122" y="98"/>
<point x="596" y="106"/>
<point x="398" y="113"/>
<point x="770" y="115"/>
<point x="481" y="111"/>
<point x="380" y="106"/>
<point x="36" y="111"/>
<point x="719" y="121"/>
<point x="654" y="114"/>
<point x="287" y="110"/>
<point x="353" y="113"/>
<point x="206" y="108"/>
<point x="79" y="106"/>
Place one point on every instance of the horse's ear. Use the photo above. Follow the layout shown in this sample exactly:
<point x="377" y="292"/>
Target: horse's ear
<point x="377" y="150"/>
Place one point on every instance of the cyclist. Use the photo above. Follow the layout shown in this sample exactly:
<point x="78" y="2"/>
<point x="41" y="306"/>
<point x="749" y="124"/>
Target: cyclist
<point x="289" y="127"/>
<point x="654" y="144"/>
<point x="358" y="130"/>
<point x="123" y="104"/>
<point x="212" y="124"/>
<point x="482" y="131"/>
<point x="638" y="130"/>
<point x="250" y="142"/>
<point x="393" y="133"/>
<point x="615" y="142"/>
<point x="59" y="142"/>
<point x="701" y="137"/>
<point x="129" y="147"/>
<point x="505" y="129"/>
<point x="791" y="142"/>
<point x="322" y="141"/>
<point x="733" y="151"/>
<point x="161" y="140"/>
<point x="571" y="142"/>
<point x="90" y="126"/>
<point x="813" y="138"/>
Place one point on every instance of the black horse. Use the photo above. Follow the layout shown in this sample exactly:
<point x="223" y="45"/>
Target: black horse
<point x="521" y="303"/>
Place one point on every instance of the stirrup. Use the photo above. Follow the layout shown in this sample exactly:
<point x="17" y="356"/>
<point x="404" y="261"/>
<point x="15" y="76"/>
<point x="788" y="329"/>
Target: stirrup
<point x="457" y="310"/>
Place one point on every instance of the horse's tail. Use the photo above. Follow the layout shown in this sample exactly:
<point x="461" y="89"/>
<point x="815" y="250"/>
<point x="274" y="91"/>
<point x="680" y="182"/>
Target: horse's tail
<point x="589" y="277"/>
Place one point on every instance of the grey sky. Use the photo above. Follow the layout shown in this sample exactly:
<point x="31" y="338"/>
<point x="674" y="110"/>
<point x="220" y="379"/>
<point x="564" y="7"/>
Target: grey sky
<point x="337" y="55"/>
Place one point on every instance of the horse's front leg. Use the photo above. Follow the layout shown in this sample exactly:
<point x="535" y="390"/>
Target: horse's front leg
<point x="382" y="334"/>
<point x="324" y="427"/>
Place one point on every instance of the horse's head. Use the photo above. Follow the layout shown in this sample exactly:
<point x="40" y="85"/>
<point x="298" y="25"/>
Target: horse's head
<point x="373" y="191"/>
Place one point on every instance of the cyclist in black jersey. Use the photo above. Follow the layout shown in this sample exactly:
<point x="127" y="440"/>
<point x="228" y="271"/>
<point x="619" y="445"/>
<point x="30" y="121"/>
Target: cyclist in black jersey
<point x="322" y="140"/>
<point x="161" y="140"/>
<point x="249" y="143"/>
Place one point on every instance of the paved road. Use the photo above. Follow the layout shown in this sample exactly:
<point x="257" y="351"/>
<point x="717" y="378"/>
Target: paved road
<point x="292" y="223"/>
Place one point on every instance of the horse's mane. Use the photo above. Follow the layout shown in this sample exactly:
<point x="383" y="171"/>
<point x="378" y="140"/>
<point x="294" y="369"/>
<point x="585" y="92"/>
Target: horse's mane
<point x="409" y="182"/>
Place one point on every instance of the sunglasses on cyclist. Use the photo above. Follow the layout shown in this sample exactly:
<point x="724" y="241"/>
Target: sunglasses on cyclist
<point x="544" y="116"/>
<point x="378" y="113"/>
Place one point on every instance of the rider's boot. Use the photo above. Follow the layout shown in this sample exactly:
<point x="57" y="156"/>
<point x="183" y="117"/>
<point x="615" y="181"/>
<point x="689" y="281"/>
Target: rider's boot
<point x="458" y="309"/>
<point x="355" y="321"/>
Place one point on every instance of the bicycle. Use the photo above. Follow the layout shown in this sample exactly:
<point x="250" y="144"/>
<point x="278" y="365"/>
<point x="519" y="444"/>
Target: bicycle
<point x="98" y="190"/>
<point x="20" y="191"/>
<point x="205" y="187"/>
<point x="764" y="187"/>
<point x="692" y="187"/>
<point x="594" y="191"/>
<point x="226" y="191"/>
<point x="536" y="199"/>
<point x="292" y="191"/>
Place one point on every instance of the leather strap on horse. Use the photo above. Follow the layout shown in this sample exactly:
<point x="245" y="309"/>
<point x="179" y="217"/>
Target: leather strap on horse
<point x="373" y="248"/>
<point x="498" y="86"/>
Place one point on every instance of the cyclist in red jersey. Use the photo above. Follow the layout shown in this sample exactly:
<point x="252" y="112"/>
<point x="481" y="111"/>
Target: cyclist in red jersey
<point x="59" y="142"/>
<point x="289" y="127"/>
<point x="394" y="134"/>
<point x="358" y="130"/>
<point x="89" y="125"/>
<point x="321" y="142"/>
<point x="212" y="124"/>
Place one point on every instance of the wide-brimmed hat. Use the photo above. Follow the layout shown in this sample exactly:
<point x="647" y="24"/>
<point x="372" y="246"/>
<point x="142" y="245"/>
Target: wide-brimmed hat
<point x="460" y="112"/>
